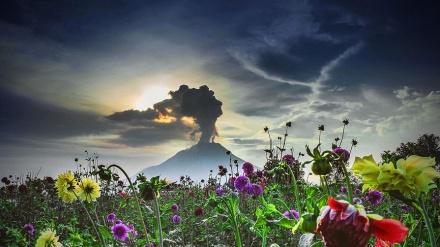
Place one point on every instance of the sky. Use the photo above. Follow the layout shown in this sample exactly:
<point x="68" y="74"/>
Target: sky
<point x="95" y="76"/>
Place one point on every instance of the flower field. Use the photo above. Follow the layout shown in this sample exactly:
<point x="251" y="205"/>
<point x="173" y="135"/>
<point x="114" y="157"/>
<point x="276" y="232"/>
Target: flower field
<point x="394" y="202"/>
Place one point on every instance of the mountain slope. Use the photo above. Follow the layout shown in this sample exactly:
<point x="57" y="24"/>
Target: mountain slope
<point x="195" y="162"/>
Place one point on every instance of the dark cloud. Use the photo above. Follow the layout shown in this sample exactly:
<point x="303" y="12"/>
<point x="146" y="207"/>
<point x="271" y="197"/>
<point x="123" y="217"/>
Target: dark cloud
<point x="399" y="36"/>
<point x="248" y="141"/>
<point x="153" y="134"/>
<point x="134" y="117"/>
<point x="272" y="100"/>
<point x="302" y="60"/>
<point x="199" y="104"/>
<point x="25" y="117"/>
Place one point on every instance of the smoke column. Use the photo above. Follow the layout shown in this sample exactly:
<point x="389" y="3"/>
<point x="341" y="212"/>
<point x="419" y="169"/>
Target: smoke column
<point x="200" y="104"/>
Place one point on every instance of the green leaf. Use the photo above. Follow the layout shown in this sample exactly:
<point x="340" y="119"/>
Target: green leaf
<point x="298" y="224"/>
<point x="318" y="244"/>
<point x="312" y="191"/>
<point x="105" y="232"/>
<point x="286" y="223"/>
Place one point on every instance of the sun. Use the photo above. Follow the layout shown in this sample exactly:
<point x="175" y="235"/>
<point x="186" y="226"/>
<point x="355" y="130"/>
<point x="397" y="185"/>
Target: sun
<point x="151" y="96"/>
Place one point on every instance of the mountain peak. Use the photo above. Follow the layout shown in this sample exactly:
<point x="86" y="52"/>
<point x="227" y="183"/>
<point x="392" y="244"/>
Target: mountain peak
<point x="196" y="162"/>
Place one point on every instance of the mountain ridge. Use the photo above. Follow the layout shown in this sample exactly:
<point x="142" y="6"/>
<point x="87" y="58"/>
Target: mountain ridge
<point x="195" y="162"/>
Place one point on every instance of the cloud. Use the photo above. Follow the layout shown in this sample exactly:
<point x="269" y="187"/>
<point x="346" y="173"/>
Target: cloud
<point x="22" y="117"/>
<point x="416" y="111"/>
<point x="171" y="119"/>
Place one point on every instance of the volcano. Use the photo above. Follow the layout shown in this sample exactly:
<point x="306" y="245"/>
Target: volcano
<point x="195" y="162"/>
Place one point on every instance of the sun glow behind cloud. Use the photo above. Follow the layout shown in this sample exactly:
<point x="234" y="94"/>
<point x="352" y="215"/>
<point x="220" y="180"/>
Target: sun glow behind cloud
<point x="151" y="96"/>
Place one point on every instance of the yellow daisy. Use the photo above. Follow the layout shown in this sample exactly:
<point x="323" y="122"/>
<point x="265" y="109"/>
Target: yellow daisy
<point x="66" y="185"/>
<point x="88" y="190"/>
<point x="48" y="239"/>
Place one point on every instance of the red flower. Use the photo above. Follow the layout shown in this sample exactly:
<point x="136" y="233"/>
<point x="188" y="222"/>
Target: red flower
<point x="198" y="212"/>
<point x="389" y="230"/>
<point x="343" y="224"/>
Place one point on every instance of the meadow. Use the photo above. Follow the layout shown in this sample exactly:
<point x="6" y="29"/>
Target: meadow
<point x="393" y="202"/>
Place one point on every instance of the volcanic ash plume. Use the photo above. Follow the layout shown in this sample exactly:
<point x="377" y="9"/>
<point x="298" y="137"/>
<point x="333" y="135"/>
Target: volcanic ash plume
<point x="200" y="104"/>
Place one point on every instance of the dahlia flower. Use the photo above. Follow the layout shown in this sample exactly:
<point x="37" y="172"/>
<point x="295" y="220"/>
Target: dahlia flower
<point x="88" y="190"/>
<point x="241" y="182"/>
<point x="248" y="168"/>
<point x="340" y="151"/>
<point x="343" y="224"/>
<point x="289" y="159"/>
<point x="120" y="231"/>
<point x="66" y="185"/>
<point x="48" y="238"/>
<point x="411" y="176"/>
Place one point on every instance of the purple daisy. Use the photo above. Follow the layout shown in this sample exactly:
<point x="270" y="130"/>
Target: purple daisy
<point x="248" y="168"/>
<point x="340" y="151"/>
<point x="289" y="159"/>
<point x="374" y="197"/>
<point x="111" y="217"/>
<point x="241" y="182"/>
<point x="294" y="213"/>
<point x="174" y="207"/>
<point x="29" y="228"/>
<point x="120" y="231"/>
<point x="177" y="219"/>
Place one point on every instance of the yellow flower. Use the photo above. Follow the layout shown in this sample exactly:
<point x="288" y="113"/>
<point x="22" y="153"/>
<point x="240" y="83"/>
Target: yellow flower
<point x="421" y="170"/>
<point x="411" y="176"/>
<point x="368" y="169"/>
<point x="48" y="239"/>
<point x="88" y="190"/>
<point x="66" y="185"/>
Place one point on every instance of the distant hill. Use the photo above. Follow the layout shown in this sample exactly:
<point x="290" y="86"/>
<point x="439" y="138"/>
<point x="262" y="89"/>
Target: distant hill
<point x="196" y="162"/>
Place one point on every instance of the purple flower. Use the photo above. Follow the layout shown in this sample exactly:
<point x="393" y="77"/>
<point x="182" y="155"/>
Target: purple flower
<point x="177" y="219"/>
<point x="219" y="191"/>
<point x="118" y="221"/>
<point x="111" y="217"/>
<point x="130" y="227"/>
<point x="120" y="232"/>
<point x="340" y="151"/>
<point x="295" y="214"/>
<point x="29" y="228"/>
<point x="289" y="159"/>
<point x="248" y="168"/>
<point x="173" y="195"/>
<point x="257" y="189"/>
<point x="374" y="197"/>
<point x="174" y="207"/>
<point x="357" y="191"/>
<point x="343" y="189"/>
<point x="259" y="173"/>
<point x="241" y="182"/>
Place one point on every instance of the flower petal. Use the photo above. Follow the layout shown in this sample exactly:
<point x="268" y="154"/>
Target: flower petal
<point x="389" y="230"/>
<point x="337" y="205"/>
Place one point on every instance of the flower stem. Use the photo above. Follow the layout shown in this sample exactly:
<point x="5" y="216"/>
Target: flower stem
<point x="422" y="208"/>
<point x="295" y="187"/>
<point x="159" y="223"/>
<point x="90" y="218"/>
<point x="232" y="204"/>
<point x="144" y="228"/>
<point x="347" y="181"/>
